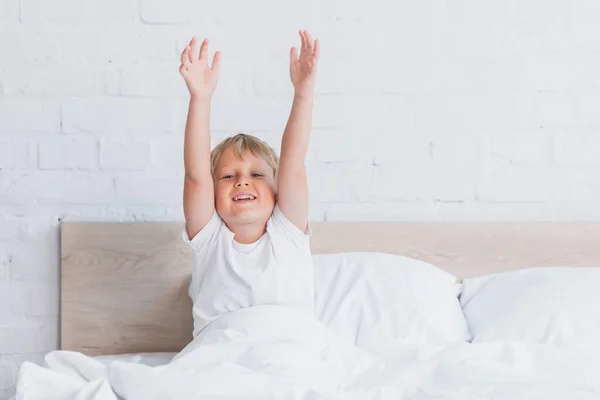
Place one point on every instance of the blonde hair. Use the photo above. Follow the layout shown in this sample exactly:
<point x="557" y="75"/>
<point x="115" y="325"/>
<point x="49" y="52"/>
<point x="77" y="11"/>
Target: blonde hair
<point x="242" y="142"/>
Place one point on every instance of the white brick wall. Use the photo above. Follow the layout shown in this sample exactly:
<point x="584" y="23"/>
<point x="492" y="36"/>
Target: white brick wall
<point x="460" y="110"/>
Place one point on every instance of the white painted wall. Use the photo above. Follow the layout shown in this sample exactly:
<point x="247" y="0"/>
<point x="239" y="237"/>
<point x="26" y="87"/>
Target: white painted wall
<point x="425" y="110"/>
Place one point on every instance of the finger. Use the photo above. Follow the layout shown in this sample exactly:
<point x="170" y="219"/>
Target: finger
<point x="309" y="42"/>
<point x="192" y="50"/>
<point x="184" y="55"/>
<point x="216" y="64"/>
<point x="293" y="55"/>
<point x="303" y="48"/>
<point x="183" y="70"/>
<point x="316" y="51"/>
<point x="204" y="51"/>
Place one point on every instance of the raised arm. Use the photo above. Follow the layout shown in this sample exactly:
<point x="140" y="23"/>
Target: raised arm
<point x="292" y="184"/>
<point x="198" y="189"/>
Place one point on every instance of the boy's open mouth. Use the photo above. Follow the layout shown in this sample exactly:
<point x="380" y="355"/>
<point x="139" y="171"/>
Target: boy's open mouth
<point x="243" y="198"/>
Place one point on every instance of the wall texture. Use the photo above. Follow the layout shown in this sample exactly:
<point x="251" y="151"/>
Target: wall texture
<point x="425" y="110"/>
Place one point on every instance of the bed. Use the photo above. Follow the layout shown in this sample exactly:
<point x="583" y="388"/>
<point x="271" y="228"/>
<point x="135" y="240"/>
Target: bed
<point x="124" y="299"/>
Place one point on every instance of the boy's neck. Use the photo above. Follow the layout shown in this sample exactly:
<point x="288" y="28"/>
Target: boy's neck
<point x="247" y="233"/>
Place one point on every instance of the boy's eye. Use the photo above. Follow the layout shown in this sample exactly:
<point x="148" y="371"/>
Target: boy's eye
<point x="256" y="174"/>
<point x="228" y="176"/>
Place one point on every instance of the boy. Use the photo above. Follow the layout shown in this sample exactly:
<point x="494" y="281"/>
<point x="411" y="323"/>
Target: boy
<point x="246" y="211"/>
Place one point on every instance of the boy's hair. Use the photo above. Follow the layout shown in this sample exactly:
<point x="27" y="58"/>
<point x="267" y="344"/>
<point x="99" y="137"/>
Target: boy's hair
<point x="242" y="142"/>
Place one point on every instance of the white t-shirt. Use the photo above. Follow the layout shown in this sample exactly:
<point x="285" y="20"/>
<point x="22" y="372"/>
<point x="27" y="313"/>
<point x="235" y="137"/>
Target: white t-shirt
<point x="227" y="275"/>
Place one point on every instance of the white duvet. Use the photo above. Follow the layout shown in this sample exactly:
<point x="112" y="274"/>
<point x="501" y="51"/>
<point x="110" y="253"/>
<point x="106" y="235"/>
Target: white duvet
<point x="273" y="352"/>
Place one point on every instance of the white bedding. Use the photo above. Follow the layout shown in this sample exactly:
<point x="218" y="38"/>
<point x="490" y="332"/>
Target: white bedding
<point x="273" y="352"/>
<point x="150" y="359"/>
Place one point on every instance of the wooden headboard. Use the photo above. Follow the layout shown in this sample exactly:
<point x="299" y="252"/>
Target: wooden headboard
<point x="124" y="284"/>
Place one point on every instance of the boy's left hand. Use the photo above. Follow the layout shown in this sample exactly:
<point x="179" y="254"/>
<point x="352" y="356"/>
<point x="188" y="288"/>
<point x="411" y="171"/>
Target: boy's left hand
<point x="303" y="69"/>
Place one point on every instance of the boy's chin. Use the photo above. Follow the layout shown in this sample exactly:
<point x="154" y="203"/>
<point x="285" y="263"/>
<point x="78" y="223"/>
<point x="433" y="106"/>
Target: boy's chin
<point x="248" y="214"/>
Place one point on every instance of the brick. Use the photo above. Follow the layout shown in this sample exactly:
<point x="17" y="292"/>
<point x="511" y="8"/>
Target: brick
<point x="469" y="113"/>
<point x="178" y="11"/>
<point x="12" y="228"/>
<point x="15" y="301"/>
<point x="453" y="24"/>
<point x="119" y="44"/>
<point x="67" y="153"/>
<point x="38" y="224"/>
<point x="587" y="109"/>
<point x="247" y="114"/>
<point x="422" y="184"/>
<point x="36" y="336"/>
<point x="253" y="78"/>
<point x="223" y="27"/>
<point x="133" y="213"/>
<point x="586" y="182"/>
<point x="380" y="75"/>
<point x="581" y="38"/>
<point x="553" y="109"/>
<point x="425" y="76"/>
<point x="522" y="147"/>
<point x="120" y="115"/>
<point x="43" y="299"/>
<point x="409" y="27"/>
<point x="528" y="184"/>
<point x="60" y="187"/>
<point x="4" y="265"/>
<point x="239" y="77"/>
<point x="43" y="264"/>
<point x="452" y="184"/>
<point x="576" y="148"/>
<point x="15" y="154"/>
<point x="26" y="45"/>
<point x="6" y="181"/>
<point x="148" y="190"/>
<point x="78" y="11"/>
<point x="583" y="19"/>
<point x="159" y="80"/>
<point x="554" y="73"/>
<point x="9" y="11"/>
<point x="588" y="67"/>
<point x="341" y="146"/>
<point x="54" y="80"/>
<point x="401" y="147"/>
<point x="166" y="154"/>
<point x="342" y="182"/>
<point x="536" y="29"/>
<point x="515" y="211"/>
<point x="122" y="154"/>
<point x="18" y="115"/>
<point x="362" y="112"/>
<point x="418" y="76"/>
<point x="460" y="150"/>
<point x="381" y="211"/>
<point x="586" y="12"/>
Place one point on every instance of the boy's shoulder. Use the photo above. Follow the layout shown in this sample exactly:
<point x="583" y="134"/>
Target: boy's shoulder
<point x="280" y="224"/>
<point x="206" y="235"/>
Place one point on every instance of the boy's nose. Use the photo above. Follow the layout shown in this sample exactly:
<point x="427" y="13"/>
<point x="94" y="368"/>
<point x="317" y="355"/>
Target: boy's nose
<point x="241" y="183"/>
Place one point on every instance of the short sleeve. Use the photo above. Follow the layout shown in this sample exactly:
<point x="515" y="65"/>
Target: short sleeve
<point x="280" y="223"/>
<point x="205" y="234"/>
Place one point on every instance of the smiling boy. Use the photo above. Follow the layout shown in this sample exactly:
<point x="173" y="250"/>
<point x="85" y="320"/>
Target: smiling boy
<point x="246" y="210"/>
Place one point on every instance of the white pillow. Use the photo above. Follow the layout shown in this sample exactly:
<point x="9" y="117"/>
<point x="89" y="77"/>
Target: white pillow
<point x="378" y="300"/>
<point x="545" y="305"/>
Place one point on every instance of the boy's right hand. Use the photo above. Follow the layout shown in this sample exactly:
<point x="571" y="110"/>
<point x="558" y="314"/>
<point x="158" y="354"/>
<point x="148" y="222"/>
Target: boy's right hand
<point x="201" y="80"/>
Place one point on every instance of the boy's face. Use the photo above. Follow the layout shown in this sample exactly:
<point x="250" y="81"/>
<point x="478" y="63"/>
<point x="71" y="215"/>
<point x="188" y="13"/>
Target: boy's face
<point x="251" y="177"/>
